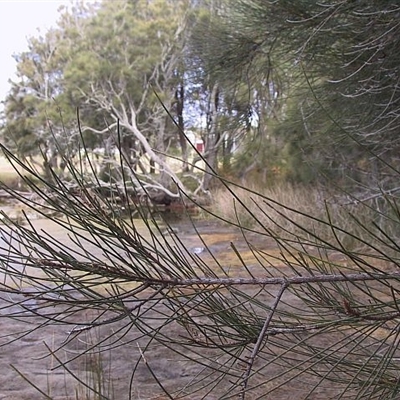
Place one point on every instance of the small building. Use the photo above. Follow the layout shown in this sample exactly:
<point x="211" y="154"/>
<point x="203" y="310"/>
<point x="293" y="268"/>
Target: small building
<point x="197" y="142"/>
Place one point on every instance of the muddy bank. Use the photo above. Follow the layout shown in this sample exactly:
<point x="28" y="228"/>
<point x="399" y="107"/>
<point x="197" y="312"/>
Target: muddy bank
<point x="133" y="364"/>
<point x="128" y="363"/>
<point x="136" y="357"/>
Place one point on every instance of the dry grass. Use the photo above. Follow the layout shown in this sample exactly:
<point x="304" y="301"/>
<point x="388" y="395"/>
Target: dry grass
<point x="296" y="211"/>
<point x="10" y="179"/>
<point x="9" y="176"/>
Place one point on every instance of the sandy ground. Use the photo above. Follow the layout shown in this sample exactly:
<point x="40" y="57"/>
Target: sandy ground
<point x="135" y="366"/>
<point x="30" y="371"/>
<point x="113" y="369"/>
<point x="133" y="370"/>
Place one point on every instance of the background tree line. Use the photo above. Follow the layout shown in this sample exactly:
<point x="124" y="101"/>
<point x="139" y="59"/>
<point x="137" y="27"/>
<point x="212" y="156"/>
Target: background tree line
<point x="131" y="63"/>
<point x="311" y="88"/>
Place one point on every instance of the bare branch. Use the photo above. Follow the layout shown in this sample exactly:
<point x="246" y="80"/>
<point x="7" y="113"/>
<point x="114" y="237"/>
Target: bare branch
<point x="205" y="281"/>
<point x="261" y="337"/>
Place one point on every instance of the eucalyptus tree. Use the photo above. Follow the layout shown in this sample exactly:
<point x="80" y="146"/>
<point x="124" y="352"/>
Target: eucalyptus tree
<point x="123" y="63"/>
<point x="118" y="63"/>
<point x="32" y="107"/>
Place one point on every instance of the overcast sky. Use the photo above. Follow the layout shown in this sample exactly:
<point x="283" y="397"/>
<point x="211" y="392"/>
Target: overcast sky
<point x="20" y="19"/>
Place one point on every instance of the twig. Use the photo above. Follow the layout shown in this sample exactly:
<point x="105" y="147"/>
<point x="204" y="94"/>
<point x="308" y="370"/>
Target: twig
<point x="124" y="313"/>
<point x="261" y="338"/>
<point x="153" y="373"/>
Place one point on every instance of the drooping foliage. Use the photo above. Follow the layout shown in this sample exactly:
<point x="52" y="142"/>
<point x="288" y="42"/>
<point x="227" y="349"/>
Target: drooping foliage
<point x="335" y="65"/>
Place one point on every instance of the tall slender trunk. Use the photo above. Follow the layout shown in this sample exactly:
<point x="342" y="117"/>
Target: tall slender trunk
<point x="212" y="138"/>
<point x="179" y="99"/>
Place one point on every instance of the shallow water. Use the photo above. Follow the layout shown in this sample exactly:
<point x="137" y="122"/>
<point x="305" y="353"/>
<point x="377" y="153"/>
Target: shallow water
<point x="175" y="231"/>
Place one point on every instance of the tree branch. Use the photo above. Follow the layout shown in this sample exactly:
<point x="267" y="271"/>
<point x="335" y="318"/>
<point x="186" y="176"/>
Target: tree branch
<point x="205" y="281"/>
